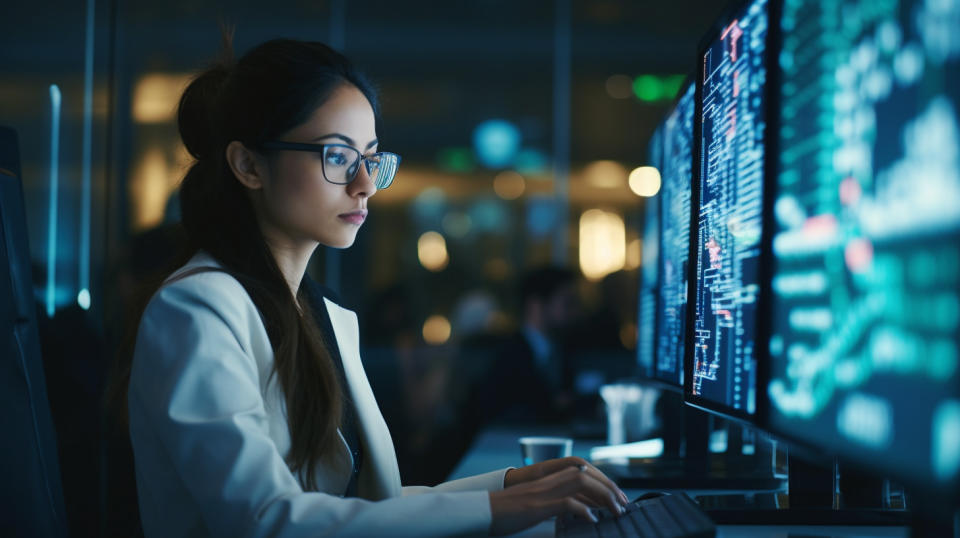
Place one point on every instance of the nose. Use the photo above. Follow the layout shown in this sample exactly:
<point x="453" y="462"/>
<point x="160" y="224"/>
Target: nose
<point x="362" y="185"/>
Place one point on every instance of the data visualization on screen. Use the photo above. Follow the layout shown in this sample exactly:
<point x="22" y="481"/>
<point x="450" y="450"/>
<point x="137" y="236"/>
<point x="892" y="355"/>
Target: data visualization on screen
<point x="674" y="238"/>
<point x="647" y="301"/>
<point x="729" y="212"/>
<point x="866" y="312"/>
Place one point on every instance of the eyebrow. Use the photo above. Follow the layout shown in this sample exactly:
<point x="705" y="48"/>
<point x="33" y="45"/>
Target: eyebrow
<point x="346" y="139"/>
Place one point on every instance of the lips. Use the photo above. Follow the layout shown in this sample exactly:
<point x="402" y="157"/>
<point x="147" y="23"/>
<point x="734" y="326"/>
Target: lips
<point x="354" y="217"/>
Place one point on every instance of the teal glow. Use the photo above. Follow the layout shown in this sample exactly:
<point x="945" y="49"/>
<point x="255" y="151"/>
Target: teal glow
<point x="83" y="299"/>
<point x="496" y="143"/>
<point x="55" y="99"/>
<point x="84" y="280"/>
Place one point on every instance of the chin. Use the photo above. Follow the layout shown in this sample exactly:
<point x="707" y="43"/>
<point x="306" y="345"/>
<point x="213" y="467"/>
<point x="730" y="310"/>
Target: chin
<point x="339" y="242"/>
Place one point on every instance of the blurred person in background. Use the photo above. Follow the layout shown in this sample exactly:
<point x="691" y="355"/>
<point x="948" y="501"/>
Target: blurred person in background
<point x="249" y="411"/>
<point x="528" y="379"/>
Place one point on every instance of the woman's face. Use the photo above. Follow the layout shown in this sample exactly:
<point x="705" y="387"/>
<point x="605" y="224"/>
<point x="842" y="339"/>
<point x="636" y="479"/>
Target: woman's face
<point x="297" y="200"/>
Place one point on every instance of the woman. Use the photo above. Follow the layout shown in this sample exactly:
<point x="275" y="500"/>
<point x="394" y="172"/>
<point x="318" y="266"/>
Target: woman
<point x="245" y="418"/>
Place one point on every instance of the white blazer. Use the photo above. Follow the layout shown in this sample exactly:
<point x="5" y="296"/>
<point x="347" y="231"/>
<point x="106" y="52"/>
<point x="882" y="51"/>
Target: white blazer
<point x="210" y="436"/>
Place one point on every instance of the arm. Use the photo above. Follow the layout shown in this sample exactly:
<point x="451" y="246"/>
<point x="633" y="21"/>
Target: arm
<point x="492" y="481"/>
<point x="195" y="406"/>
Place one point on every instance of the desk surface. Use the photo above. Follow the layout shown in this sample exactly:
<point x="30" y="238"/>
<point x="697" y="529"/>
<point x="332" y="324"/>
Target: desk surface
<point x="498" y="447"/>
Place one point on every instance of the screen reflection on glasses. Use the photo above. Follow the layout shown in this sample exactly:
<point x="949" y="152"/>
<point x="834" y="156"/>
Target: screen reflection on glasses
<point x="342" y="162"/>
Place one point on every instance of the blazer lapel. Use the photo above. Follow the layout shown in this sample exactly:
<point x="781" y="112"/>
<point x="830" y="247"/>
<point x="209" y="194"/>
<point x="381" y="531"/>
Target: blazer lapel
<point x="380" y="475"/>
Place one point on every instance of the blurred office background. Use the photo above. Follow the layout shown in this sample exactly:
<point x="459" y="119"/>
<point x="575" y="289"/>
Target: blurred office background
<point x="522" y="126"/>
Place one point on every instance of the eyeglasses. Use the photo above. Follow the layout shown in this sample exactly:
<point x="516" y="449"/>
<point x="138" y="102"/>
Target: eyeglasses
<point x="341" y="162"/>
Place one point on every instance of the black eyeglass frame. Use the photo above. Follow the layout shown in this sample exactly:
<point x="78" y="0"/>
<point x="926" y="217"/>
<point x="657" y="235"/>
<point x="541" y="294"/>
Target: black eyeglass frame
<point x="321" y="149"/>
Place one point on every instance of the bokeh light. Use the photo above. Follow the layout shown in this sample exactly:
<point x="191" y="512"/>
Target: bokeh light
<point x="605" y="174"/>
<point x="156" y="95"/>
<point x="436" y="330"/>
<point x="645" y="181"/>
<point x="432" y="251"/>
<point x="496" y="143"/>
<point x="647" y="87"/>
<point x="619" y="86"/>
<point x="652" y="88"/>
<point x="602" y="243"/>
<point x="456" y="159"/>
<point x="509" y="185"/>
<point x="457" y="224"/>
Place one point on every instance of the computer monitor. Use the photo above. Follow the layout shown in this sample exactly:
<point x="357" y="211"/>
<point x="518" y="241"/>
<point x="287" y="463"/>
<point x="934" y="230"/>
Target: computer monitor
<point x="647" y="300"/>
<point x="730" y="165"/>
<point x="673" y="238"/>
<point x="865" y="323"/>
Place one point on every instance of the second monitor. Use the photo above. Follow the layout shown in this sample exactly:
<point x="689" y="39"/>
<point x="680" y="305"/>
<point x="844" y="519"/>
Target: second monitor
<point x="724" y="281"/>
<point x="673" y="236"/>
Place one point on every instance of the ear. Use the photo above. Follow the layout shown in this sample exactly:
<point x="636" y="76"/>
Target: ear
<point x="247" y="166"/>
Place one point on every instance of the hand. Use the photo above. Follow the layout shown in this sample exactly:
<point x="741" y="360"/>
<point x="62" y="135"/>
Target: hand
<point x="536" y="471"/>
<point x="572" y="489"/>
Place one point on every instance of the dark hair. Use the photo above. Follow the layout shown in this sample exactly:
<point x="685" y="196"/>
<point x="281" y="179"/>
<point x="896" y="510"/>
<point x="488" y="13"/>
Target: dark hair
<point x="271" y="89"/>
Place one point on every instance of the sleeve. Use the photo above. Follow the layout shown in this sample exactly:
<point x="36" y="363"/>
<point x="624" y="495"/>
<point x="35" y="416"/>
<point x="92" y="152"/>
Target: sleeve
<point x="492" y="481"/>
<point x="194" y="396"/>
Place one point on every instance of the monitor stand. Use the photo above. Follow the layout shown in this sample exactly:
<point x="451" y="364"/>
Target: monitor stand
<point x="687" y="463"/>
<point x="816" y="495"/>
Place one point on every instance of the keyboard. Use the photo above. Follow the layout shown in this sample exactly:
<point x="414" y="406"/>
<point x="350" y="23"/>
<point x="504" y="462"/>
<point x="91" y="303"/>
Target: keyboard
<point x="666" y="516"/>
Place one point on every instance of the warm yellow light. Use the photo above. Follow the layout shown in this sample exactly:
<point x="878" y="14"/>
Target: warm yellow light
<point x="645" y="181"/>
<point x="634" y="254"/>
<point x="149" y="189"/>
<point x="602" y="243"/>
<point x="605" y="174"/>
<point x="156" y="95"/>
<point x="509" y="185"/>
<point x="432" y="251"/>
<point x="436" y="330"/>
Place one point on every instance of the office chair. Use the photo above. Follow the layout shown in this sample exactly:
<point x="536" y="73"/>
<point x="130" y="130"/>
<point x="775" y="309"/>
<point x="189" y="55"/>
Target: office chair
<point x="31" y="494"/>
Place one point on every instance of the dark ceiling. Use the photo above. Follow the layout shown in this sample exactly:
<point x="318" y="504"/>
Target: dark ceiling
<point x="442" y="66"/>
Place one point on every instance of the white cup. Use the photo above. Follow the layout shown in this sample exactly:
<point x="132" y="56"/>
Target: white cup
<point x="619" y="397"/>
<point x="537" y="449"/>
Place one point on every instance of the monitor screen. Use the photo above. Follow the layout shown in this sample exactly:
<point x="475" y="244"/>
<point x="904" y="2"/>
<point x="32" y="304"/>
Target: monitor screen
<point x="674" y="238"/>
<point x="865" y="320"/>
<point x="725" y="280"/>
<point x="647" y="302"/>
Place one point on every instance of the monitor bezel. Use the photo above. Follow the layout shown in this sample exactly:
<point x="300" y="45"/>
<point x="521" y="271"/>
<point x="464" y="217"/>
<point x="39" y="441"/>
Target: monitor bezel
<point x="771" y="119"/>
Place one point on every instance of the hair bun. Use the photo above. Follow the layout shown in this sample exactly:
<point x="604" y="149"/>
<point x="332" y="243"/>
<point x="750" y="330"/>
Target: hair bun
<point x="198" y="115"/>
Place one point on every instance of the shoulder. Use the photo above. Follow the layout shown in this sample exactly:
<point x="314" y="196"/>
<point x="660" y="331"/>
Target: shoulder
<point x="202" y="320"/>
<point x="202" y="288"/>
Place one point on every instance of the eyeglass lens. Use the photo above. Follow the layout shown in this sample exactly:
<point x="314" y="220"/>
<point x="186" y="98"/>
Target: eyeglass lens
<point x="341" y="163"/>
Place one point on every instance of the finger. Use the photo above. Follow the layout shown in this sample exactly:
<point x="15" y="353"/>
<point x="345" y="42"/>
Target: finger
<point x="585" y="465"/>
<point x="586" y="500"/>
<point x="570" y="505"/>
<point x="583" y="498"/>
<point x="572" y="481"/>
<point x="610" y="484"/>
<point x="559" y="464"/>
